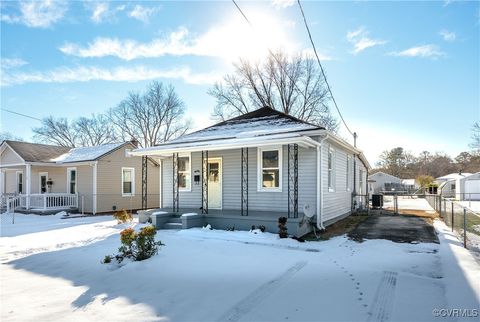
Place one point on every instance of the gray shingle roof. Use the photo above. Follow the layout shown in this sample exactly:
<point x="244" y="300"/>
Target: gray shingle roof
<point x="33" y="152"/>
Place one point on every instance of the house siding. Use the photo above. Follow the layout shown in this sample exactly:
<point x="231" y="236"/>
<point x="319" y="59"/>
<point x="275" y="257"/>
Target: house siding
<point x="9" y="157"/>
<point x="231" y="192"/>
<point x="109" y="182"/>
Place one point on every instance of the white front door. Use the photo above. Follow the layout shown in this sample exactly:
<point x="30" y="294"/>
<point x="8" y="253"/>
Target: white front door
<point x="215" y="183"/>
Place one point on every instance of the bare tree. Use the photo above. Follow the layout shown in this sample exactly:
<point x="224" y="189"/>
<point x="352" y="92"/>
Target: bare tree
<point x="55" y="131"/>
<point x="153" y="117"/>
<point x="95" y="130"/>
<point x="4" y="135"/>
<point x="475" y="144"/>
<point x="293" y="85"/>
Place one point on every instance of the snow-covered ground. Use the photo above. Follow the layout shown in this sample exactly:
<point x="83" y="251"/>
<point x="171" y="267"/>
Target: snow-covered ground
<point x="472" y="205"/>
<point x="408" y="203"/>
<point x="51" y="271"/>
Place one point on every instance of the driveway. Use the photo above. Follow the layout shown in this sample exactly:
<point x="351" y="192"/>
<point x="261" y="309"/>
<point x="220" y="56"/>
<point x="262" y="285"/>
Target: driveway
<point x="397" y="228"/>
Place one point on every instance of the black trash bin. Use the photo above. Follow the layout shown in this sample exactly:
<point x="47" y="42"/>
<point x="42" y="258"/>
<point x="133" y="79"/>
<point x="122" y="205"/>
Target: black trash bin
<point x="377" y="201"/>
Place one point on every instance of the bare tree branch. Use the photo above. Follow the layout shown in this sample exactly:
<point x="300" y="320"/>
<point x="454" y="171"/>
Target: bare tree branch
<point x="293" y="85"/>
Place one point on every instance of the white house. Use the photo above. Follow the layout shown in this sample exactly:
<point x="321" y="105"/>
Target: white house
<point x="382" y="182"/>
<point x="254" y="168"/>
<point x="468" y="187"/>
<point x="447" y="184"/>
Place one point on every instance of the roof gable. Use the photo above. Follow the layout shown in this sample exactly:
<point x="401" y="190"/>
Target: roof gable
<point x="264" y="121"/>
<point x="32" y="152"/>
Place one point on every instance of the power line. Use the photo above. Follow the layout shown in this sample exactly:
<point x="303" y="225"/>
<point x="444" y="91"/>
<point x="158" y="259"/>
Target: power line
<point x="318" y="60"/>
<point x="24" y="115"/>
<point x="321" y="67"/>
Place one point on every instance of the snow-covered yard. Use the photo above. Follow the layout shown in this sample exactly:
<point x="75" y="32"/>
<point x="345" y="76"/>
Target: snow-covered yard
<point x="51" y="271"/>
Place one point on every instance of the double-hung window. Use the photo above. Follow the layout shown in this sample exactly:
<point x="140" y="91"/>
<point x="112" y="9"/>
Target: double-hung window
<point x="331" y="169"/>
<point x="128" y="181"/>
<point x="72" y="180"/>
<point x="270" y="169"/>
<point x="184" y="172"/>
<point x="19" y="182"/>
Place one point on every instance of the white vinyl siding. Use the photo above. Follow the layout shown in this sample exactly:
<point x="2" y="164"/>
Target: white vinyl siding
<point x="128" y="182"/>
<point x="348" y="174"/>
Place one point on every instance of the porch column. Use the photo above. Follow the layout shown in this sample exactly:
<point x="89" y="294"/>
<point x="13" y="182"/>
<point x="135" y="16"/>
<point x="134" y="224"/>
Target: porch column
<point x="94" y="190"/>
<point x="28" y="183"/>
<point x="292" y="170"/>
<point x="204" y="182"/>
<point x="244" y="182"/>
<point x="175" y="183"/>
<point x="144" y="181"/>
<point x="2" y="182"/>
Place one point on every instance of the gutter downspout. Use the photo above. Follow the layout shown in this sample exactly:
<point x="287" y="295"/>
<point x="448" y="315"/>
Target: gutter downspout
<point x="320" y="183"/>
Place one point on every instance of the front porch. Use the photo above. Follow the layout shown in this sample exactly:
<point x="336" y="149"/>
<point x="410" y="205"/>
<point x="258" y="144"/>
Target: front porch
<point x="185" y="218"/>
<point x="39" y="203"/>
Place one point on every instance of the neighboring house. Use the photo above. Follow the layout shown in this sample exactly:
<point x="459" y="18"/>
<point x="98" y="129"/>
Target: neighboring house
<point x="468" y="187"/>
<point x="44" y="178"/>
<point x="410" y="185"/>
<point x="447" y="185"/>
<point x="381" y="182"/>
<point x="252" y="169"/>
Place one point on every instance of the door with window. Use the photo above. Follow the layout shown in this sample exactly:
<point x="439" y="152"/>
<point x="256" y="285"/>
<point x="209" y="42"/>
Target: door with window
<point x="72" y="180"/>
<point x="215" y="183"/>
<point x="43" y="182"/>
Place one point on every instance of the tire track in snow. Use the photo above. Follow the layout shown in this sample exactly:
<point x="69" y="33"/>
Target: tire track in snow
<point x="253" y="299"/>
<point x="383" y="300"/>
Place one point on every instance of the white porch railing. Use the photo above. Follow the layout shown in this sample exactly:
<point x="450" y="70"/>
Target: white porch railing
<point x="43" y="201"/>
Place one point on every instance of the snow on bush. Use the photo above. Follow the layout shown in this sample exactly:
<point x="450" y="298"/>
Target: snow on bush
<point x="122" y="216"/>
<point x="136" y="245"/>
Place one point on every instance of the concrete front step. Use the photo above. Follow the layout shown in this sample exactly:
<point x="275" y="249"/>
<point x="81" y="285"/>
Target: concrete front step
<point x="177" y="220"/>
<point x="172" y="225"/>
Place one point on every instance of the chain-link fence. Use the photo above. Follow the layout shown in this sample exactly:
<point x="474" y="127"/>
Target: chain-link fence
<point x="460" y="218"/>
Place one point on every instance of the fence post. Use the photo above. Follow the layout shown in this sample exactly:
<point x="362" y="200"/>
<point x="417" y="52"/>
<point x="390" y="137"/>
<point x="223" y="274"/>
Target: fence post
<point x="440" y="206"/>
<point x="452" y="216"/>
<point x="465" y="227"/>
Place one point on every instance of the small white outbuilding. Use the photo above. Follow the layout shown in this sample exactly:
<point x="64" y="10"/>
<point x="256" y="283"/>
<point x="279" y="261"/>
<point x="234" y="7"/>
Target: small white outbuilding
<point x="468" y="187"/>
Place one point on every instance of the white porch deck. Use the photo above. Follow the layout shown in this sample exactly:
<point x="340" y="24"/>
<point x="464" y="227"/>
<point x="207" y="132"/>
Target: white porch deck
<point x="39" y="203"/>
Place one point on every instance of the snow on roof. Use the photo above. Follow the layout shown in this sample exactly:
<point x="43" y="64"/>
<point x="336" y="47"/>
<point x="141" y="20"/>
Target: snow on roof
<point x="264" y="121"/>
<point x="408" y="182"/>
<point x="454" y="176"/>
<point x="86" y="153"/>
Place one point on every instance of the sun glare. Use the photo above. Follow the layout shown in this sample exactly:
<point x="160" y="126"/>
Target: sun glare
<point x="235" y="38"/>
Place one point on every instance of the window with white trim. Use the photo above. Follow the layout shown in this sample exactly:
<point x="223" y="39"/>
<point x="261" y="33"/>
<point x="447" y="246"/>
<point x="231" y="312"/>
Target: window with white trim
<point x="128" y="181"/>
<point x="19" y="181"/>
<point x="331" y="169"/>
<point x="72" y="180"/>
<point x="270" y="169"/>
<point x="348" y="173"/>
<point x="184" y="172"/>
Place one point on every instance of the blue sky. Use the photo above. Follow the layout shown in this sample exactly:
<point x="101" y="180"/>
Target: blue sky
<point x="403" y="73"/>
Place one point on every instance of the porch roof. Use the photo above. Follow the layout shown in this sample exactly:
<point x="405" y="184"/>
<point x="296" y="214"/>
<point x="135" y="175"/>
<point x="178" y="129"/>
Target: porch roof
<point x="227" y="144"/>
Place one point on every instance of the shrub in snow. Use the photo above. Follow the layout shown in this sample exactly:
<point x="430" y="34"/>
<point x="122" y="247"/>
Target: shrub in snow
<point x="122" y="216"/>
<point x="136" y="245"/>
<point x="282" y="227"/>
<point x="255" y="230"/>
<point x="232" y="228"/>
<point x="207" y="227"/>
<point x="262" y="228"/>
